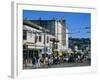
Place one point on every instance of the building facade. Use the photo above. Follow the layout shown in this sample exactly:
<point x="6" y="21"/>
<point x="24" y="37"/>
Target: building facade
<point x="44" y="36"/>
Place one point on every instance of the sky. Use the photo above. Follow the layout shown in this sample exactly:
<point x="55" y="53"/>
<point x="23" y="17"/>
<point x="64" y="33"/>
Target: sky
<point x="78" y="24"/>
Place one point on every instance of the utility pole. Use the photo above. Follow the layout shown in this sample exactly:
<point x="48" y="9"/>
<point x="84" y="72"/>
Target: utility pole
<point x="44" y="45"/>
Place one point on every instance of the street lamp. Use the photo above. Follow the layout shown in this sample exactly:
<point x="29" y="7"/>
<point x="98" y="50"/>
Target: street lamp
<point x="53" y="40"/>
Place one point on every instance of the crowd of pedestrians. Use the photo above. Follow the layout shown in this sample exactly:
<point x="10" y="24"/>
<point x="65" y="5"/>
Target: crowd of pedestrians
<point x="45" y="60"/>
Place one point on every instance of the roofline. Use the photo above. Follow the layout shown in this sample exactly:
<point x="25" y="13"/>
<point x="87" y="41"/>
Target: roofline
<point x="33" y="25"/>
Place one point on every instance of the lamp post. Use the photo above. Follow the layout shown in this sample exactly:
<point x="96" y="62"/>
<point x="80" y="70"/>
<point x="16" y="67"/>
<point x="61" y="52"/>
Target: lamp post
<point x="53" y="40"/>
<point x="45" y="31"/>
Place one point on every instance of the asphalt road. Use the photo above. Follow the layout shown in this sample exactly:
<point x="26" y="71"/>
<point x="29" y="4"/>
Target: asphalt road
<point x="61" y="65"/>
<point x="69" y="65"/>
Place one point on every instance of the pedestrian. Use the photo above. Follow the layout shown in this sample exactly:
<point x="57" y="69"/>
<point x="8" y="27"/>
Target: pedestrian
<point x="46" y="62"/>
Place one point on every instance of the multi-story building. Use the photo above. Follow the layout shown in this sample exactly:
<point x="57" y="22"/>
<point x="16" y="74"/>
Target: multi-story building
<point x="61" y="33"/>
<point x="36" y="37"/>
<point x="44" y="36"/>
<point x="57" y="28"/>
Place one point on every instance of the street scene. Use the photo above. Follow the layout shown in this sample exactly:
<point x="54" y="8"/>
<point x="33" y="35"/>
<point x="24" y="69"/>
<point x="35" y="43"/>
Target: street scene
<point x="56" y="39"/>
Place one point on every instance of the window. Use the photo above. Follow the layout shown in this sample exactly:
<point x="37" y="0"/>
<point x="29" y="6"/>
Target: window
<point x="24" y="47"/>
<point x="24" y="35"/>
<point x="39" y="38"/>
<point x="36" y="37"/>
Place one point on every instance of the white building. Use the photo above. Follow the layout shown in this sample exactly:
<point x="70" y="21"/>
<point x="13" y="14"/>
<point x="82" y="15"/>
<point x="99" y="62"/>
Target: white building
<point x="61" y="32"/>
<point x="37" y="35"/>
<point x="35" y="38"/>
